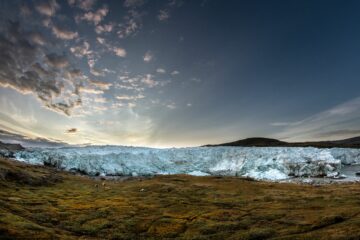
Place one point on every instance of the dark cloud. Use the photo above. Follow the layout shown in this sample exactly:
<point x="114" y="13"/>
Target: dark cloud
<point x="24" y="68"/>
<point x="71" y="130"/>
<point x="37" y="38"/>
<point x="25" y="10"/>
<point x="9" y="137"/>
<point x="57" y="61"/>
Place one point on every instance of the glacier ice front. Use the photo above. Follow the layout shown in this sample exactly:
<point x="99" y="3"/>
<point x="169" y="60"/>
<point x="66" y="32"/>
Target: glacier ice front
<point x="272" y="163"/>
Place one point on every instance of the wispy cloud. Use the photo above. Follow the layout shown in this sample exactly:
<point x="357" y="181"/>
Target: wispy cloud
<point x="100" y="84"/>
<point x="130" y="97"/>
<point x="171" y="105"/>
<point x="26" y="141"/>
<point x="337" y="122"/>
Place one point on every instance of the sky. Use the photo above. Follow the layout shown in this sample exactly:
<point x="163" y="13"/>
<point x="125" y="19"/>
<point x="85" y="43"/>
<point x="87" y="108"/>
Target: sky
<point x="175" y="73"/>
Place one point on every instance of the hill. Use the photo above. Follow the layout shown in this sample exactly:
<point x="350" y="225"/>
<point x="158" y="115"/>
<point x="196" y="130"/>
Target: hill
<point x="269" y="142"/>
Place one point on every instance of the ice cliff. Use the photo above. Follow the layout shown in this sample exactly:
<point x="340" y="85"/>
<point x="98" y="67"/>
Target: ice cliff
<point x="272" y="163"/>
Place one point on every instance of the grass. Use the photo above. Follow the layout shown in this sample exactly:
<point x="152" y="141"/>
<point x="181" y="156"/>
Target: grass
<point x="41" y="203"/>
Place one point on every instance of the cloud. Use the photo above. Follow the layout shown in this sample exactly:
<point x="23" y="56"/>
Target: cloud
<point x="339" y="121"/>
<point x="163" y="15"/>
<point x="132" y="23"/>
<point x="160" y="70"/>
<point x="37" y="38"/>
<point x="195" y="79"/>
<point x="100" y="100"/>
<point x="46" y="22"/>
<point x="26" y="141"/>
<point x="171" y="106"/>
<point x="94" y="87"/>
<point x="57" y="61"/>
<point x="130" y="97"/>
<point x="338" y="134"/>
<point x="175" y="73"/>
<point x="97" y="72"/>
<point x="149" y="81"/>
<point x="72" y="130"/>
<point x="32" y="73"/>
<point x="101" y="85"/>
<point x="25" y="10"/>
<point x="81" y="50"/>
<point x="100" y="40"/>
<point x="104" y="28"/>
<point x="64" y="33"/>
<point x="133" y="3"/>
<point x="148" y="56"/>
<point x="85" y="5"/>
<point x="121" y="52"/>
<point x="90" y="90"/>
<point x="94" y="17"/>
<point x="47" y="8"/>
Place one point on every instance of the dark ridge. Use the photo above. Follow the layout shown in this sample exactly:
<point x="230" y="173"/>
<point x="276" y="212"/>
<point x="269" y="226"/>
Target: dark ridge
<point x="10" y="146"/>
<point x="269" y="142"/>
<point x="253" y="142"/>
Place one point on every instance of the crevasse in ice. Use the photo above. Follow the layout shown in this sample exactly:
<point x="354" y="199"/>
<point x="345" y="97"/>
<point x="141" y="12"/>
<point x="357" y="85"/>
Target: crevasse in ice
<point x="272" y="163"/>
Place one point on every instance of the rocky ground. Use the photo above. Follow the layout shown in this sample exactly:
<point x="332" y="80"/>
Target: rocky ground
<point x="40" y="202"/>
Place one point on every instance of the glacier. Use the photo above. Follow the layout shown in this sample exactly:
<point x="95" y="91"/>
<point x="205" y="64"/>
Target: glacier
<point x="266" y="163"/>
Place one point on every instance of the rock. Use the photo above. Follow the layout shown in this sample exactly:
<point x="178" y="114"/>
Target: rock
<point x="357" y="174"/>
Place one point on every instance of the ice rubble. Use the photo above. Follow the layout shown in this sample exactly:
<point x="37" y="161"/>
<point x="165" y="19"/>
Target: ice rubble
<point x="272" y="163"/>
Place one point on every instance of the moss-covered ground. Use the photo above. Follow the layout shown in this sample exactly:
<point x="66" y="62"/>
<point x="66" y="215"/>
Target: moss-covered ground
<point x="41" y="203"/>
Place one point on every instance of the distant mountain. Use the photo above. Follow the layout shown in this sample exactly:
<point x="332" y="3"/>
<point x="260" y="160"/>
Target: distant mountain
<point x="269" y="142"/>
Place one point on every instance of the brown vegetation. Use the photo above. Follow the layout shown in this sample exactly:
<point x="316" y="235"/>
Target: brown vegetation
<point x="39" y="202"/>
